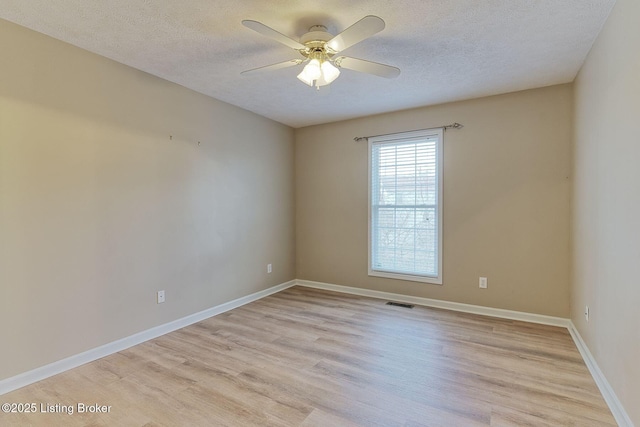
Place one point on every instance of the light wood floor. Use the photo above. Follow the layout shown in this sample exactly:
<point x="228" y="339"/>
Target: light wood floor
<point x="305" y="357"/>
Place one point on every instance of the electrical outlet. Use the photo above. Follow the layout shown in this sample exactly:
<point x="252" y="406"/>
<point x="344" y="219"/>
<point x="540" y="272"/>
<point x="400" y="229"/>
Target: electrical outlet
<point x="483" y="283"/>
<point x="269" y="269"/>
<point x="160" y="297"/>
<point x="586" y="312"/>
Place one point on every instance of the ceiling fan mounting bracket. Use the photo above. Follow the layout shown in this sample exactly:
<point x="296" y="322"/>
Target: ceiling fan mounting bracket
<point x="318" y="28"/>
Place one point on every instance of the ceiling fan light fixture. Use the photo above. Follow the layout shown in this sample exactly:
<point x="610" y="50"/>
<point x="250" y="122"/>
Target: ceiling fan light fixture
<point x="329" y="72"/>
<point x="318" y="72"/>
<point x="305" y="79"/>
<point x="313" y="70"/>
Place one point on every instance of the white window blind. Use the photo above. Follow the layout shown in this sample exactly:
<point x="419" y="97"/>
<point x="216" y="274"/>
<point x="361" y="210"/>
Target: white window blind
<point x="405" y="206"/>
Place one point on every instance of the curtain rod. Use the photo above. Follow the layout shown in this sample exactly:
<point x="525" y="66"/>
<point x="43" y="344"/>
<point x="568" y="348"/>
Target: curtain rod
<point x="451" y="126"/>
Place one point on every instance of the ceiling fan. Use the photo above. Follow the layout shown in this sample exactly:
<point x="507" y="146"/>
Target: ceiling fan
<point x="319" y="50"/>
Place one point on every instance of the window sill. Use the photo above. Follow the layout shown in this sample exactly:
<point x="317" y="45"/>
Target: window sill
<point x="409" y="277"/>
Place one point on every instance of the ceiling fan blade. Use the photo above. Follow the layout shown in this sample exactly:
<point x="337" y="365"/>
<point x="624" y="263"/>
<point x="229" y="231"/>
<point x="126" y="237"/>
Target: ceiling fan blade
<point x="277" y="66"/>
<point x="368" y="67"/>
<point x="364" y="28"/>
<point x="273" y="34"/>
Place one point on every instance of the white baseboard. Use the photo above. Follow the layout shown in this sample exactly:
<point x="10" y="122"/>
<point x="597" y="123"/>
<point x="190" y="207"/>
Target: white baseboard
<point x="447" y="305"/>
<point x="76" y="360"/>
<point x="618" y="411"/>
<point x="38" y="374"/>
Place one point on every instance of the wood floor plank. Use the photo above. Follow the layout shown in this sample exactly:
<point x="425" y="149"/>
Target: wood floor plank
<point x="320" y="418"/>
<point x="308" y="357"/>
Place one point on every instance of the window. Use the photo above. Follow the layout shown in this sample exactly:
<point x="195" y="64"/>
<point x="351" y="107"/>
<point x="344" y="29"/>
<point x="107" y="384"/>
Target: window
<point x="405" y="206"/>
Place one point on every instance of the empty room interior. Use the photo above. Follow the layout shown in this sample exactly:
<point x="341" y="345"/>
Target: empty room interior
<point x="303" y="213"/>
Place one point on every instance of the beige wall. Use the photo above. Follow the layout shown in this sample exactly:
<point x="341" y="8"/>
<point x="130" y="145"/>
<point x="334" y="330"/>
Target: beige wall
<point x="506" y="200"/>
<point x="99" y="208"/>
<point x="607" y="203"/>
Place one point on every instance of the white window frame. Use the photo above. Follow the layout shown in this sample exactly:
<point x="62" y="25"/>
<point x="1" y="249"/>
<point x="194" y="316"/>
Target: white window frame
<point x="436" y="132"/>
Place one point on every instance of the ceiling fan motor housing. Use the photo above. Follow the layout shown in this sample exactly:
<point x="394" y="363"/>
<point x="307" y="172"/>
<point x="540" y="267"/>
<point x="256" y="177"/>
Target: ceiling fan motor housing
<point x="316" y="37"/>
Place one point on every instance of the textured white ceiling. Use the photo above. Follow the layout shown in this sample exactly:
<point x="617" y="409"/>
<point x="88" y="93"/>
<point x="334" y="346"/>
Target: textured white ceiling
<point x="447" y="49"/>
